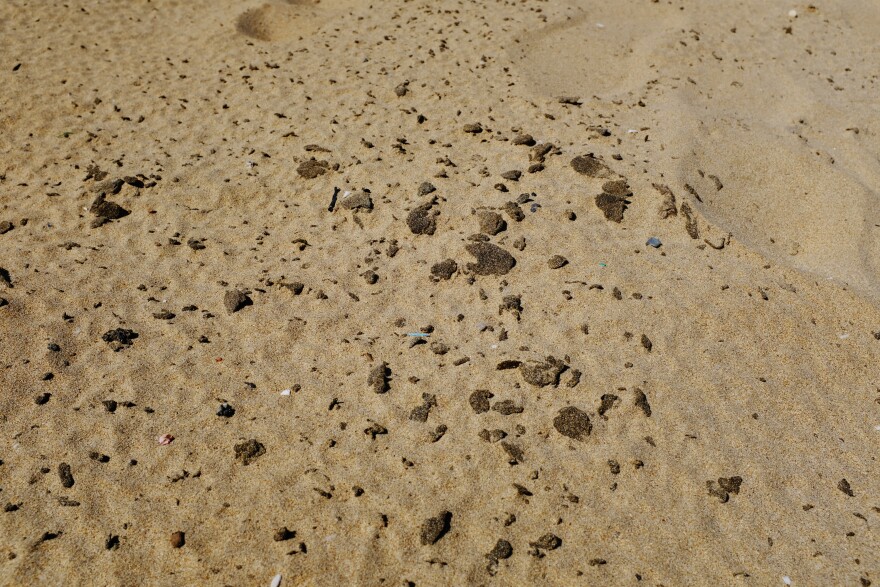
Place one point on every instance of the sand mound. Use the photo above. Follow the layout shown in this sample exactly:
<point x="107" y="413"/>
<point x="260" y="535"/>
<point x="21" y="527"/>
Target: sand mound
<point x="280" y="21"/>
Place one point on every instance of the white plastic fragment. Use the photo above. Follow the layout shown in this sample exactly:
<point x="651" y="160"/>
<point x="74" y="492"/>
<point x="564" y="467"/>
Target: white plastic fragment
<point x="792" y="13"/>
<point x="276" y="581"/>
<point x="786" y="579"/>
<point x="285" y="392"/>
<point x="654" y="242"/>
<point x="877" y="428"/>
<point x="843" y="336"/>
<point x="599" y="25"/>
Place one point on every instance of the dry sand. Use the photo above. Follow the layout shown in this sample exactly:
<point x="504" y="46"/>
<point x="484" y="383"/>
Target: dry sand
<point x="586" y="410"/>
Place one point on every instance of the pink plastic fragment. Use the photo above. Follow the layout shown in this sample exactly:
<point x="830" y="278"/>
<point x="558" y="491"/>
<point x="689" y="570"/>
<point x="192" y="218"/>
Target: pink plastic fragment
<point x="165" y="439"/>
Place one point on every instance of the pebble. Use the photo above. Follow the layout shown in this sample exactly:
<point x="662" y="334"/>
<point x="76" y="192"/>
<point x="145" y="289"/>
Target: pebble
<point x="491" y="223"/>
<point x="65" y="475"/>
<point x="573" y="423"/>
<point x="234" y="300"/>
<point x="422" y="220"/>
<point x="491" y="259"/>
<point x="444" y="269"/>
<point x="590" y="166"/>
<point x="249" y="451"/>
<point x="178" y="539"/>
<point x="433" y="529"/>
<point x="557" y="262"/>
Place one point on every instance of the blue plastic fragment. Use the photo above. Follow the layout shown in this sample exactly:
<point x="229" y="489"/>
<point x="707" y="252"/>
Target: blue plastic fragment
<point x="654" y="242"/>
<point x="417" y="334"/>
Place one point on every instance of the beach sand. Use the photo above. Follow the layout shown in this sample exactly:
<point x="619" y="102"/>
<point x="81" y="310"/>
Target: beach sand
<point x="427" y="222"/>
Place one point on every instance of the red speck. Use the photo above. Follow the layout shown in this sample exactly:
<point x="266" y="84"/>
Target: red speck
<point x="219" y="359"/>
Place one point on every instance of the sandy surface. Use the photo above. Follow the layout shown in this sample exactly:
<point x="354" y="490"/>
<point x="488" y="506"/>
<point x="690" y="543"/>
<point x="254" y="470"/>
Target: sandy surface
<point x="586" y="410"/>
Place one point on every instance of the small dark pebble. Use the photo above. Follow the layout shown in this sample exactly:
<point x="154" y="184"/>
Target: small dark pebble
<point x="512" y="175"/>
<point x="422" y="220"/>
<point x="282" y="534"/>
<point x="444" y="269"/>
<point x="106" y="210"/>
<point x="524" y="139"/>
<point x="514" y="211"/>
<point x="118" y="338"/>
<point x="439" y="432"/>
<point x="438" y="348"/>
<point x="312" y="168"/>
<point x="426" y="188"/>
<point x="43" y="398"/>
<point x="112" y="542"/>
<point x="433" y="529"/>
<point x="508" y="364"/>
<point x="6" y="226"/>
<point x="542" y="374"/>
<point x="507" y="407"/>
<point x="608" y="402"/>
<point x="642" y="402"/>
<point x="557" y="261"/>
<point x="490" y="222"/>
<point x="375" y="430"/>
<point x="844" y="486"/>
<point x="514" y="451"/>
<point x="479" y="400"/>
<point x="612" y="206"/>
<point x="178" y="539"/>
<point x="491" y="259"/>
<point x="53" y="347"/>
<point x="502" y="550"/>
<point x="646" y="342"/>
<point x="573" y="423"/>
<point x="590" y="166"/>
<point x="474" y="128"/>
<point x="110" y="405"/>
<point x="65" y="475"/>
<point x="226" y="411"/>
<point x="420" y="413"/>
<point x="377" y="378"/>
<point x="547" y="542"/>
<point x="234" y="300"/>
<point x="249" y="451"/>
<point x="522" y="490"/>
